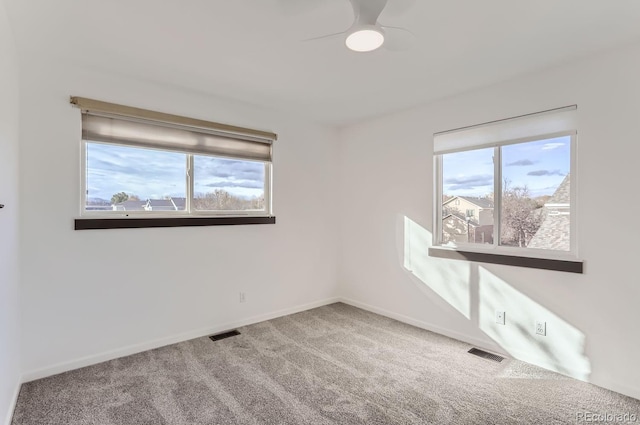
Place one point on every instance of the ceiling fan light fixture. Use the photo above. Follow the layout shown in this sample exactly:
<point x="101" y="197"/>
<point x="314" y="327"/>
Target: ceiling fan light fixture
<point x="365" y="38"/>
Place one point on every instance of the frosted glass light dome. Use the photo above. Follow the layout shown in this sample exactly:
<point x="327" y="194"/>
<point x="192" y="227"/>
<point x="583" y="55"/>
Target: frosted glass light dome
<point x="365" y="39"/>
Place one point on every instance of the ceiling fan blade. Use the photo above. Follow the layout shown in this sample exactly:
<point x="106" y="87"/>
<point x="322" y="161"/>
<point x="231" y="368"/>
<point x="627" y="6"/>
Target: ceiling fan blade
<point x="397" y="39"/>
<point x="335" y="34"/>
<point x="366" y="12"/>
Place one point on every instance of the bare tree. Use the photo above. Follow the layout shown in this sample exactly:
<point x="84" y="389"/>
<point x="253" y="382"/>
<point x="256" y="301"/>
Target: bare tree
<point x="217" y="200"/>
<point x="521" y="216"/>
<point x="257" y="203"/>
<point x="221" y="200"/>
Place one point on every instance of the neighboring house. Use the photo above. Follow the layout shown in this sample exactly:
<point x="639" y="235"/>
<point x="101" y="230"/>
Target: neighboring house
<point x="479" y="209"/>
<point x="555" y="230"/>
<point x="99" y="208"/>
<point x="467" y="219"/>
<point x="180" y="204"/>
<point x="129" y="206"/>
<point x="159" y="205"/>
<point x="171" y="204"/>
<point x="455" y="228"/>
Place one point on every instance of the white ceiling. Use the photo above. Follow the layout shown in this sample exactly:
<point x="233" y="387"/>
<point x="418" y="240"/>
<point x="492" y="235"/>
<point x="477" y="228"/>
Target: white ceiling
<point x="252" y="50"/>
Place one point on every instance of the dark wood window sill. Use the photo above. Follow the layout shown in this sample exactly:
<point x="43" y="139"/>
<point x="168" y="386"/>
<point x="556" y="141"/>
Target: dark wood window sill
<point x="138" y="223"/>
<point x="572" y="266"/>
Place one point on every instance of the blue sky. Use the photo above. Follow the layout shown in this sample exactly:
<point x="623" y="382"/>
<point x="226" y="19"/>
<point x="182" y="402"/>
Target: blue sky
<point x="540" y="165"/>
<point x="150" y="173"/>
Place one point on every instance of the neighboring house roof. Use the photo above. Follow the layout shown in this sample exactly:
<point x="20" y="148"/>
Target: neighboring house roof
<point x="462" y="218"/>
<point x="130" y="206"/>
<point x="555" y="231"/>
<point x="98" y="208"/>
<point x="160" y="205"/>
<point x="171" y="204"/>
<point x="479" y="202"/>
<point x="179" y="203"/>
<point x="562" y="195"/>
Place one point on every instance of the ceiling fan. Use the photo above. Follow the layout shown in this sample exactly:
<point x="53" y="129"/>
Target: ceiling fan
<point x="366" y="34"/>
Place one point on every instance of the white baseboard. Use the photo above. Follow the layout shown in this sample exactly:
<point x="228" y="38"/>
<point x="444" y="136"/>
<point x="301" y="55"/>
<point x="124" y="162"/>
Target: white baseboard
<point x="615" y="386"/>
<point x="488" y="345"/>
<point x="150" y="345"/>
<point x="545" y="363"/>
<point x="484" y="344"/>
<point x="12" y="404"/>
<point x="508" y="352"/>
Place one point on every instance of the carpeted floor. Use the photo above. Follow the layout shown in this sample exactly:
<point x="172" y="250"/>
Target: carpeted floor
<point x="331" y="365"/>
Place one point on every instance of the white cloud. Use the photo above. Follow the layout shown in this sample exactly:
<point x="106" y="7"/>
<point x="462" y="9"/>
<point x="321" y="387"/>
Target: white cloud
<point x="552" y="145"/>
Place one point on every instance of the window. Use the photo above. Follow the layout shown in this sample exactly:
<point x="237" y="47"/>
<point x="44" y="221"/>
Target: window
<point x="124" y="179"/>
<point x="507" y="187"/>
<point x="143" y="164"/>
<point x="228" y="185"/>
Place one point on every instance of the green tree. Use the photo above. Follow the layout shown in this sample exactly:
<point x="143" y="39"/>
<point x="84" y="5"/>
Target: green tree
<point x="119" y="197"/>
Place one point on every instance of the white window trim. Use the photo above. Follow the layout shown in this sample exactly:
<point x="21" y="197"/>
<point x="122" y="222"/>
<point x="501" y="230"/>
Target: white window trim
<point x="495" y="248"/>
<point x="189" y="211"/>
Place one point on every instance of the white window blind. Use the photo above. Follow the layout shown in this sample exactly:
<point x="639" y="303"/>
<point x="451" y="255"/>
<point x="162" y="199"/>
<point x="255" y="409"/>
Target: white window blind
<point x="546" y="123"/>
<point x="111" y="123"/>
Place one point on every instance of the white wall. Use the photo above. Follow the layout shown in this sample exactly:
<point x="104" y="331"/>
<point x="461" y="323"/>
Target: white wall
<point x="386" y="197"/>
<point x="9" y="273"/>
<point x="93" y="295"/>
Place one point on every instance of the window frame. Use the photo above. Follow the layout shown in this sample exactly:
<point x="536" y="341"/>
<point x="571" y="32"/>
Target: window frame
<point x="105" y="122"/>
<point x="189" y="211"/>
<point x="495" y="248"/>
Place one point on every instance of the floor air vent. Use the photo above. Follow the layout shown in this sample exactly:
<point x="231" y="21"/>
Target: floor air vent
<point x="224" y="335"/>
<point x="485" y="355"/>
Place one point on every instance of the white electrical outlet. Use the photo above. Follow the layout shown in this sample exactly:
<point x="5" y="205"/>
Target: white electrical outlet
<point x="500" y="317"/>
<point x="541" y="328"/>
<point x="243" y="297"/>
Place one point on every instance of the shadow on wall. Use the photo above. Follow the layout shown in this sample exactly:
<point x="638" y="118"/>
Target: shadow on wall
<point x="476" y="293"/>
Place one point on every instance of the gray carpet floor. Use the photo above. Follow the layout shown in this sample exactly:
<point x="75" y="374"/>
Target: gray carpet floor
<point x="331" y="365"/>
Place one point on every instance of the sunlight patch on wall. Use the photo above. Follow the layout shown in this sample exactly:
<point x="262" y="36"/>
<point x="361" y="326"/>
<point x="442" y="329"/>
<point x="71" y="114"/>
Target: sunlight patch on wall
<point x="561" y="350"/>
<point x="449" y="280"/>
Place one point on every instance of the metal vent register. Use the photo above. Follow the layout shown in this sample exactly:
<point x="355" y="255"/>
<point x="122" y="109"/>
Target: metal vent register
<point x="224" y="335"/>
<point x="485" y="355"/>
